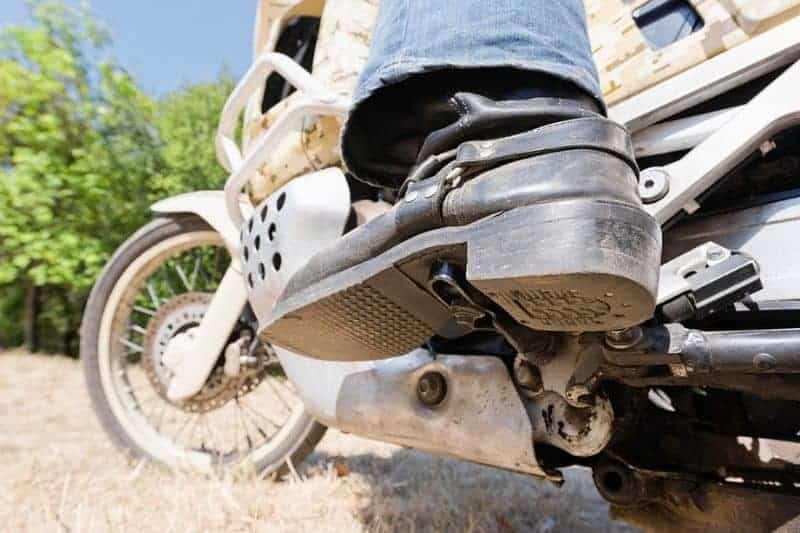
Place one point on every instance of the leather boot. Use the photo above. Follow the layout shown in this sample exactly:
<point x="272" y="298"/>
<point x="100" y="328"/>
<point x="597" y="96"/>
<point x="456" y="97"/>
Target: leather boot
<point x="527" y="210"/>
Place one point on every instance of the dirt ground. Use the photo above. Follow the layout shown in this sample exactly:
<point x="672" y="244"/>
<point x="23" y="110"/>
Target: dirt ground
<point x="58" y="472"/>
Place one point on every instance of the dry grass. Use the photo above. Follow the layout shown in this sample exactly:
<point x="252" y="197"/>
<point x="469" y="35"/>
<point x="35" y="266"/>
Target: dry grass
<point x="59" y="472"/>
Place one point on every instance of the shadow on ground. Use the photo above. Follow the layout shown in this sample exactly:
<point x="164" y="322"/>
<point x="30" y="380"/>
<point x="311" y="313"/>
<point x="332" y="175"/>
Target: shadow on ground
<point x="409" y="490"/>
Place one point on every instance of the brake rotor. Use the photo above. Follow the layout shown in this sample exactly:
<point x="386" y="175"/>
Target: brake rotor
<point x="179" y="315"/>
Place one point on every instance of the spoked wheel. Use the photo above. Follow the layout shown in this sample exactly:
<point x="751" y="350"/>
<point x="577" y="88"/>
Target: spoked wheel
<point x="155" y="288"/>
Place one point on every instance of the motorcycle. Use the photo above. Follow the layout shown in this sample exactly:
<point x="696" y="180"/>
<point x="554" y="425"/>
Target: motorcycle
<point x="683" y="418"/>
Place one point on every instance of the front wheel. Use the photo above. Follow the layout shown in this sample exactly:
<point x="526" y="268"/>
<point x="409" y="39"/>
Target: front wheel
<point x="157" y="285"/>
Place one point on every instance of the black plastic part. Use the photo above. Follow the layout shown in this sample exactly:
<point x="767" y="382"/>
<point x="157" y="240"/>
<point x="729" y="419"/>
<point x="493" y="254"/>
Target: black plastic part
<point x="297" y="41"/>
<point x="664" y="22"/>
<point x="715" y="289"/>
<point x="726" y="283"/>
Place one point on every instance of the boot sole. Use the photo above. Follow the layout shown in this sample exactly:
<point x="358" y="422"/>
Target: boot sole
<point x="573" y="265"/>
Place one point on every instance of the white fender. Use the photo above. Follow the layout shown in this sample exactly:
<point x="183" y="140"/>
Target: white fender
<point x="207" y="341"/>
<point x="210" y="206"/>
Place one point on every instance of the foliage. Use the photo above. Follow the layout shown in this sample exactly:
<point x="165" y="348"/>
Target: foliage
<point x="83" y="152"/>
<point x="187" y="123"/>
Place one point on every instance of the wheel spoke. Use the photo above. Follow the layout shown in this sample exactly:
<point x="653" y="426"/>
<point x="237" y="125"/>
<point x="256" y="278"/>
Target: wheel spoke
<point x="161" y="416"/>
<point x="177" y="436"/>
<point x="192" y="430"/>
<point x="204" y="433"/>
<point x="216" y="266"/>
<point x="274" y="388"/>
<point x="184" y="279"/>
<point x="258" y="414"/>
<point x="240" y="413"/>
<point x="195" y="270"/>
<point x="214" y="437"/>
<point x="144" y="310"/>
<point x="249" y="417"/>
<point x="132" y="346"/>
<point x="138" y="329"/>
<point x="153" y="296"/>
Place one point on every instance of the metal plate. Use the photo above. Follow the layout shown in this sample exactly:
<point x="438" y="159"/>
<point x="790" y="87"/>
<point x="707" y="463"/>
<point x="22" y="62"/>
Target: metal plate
<point x="481" y="419"/>
<point x="287" y="229"/>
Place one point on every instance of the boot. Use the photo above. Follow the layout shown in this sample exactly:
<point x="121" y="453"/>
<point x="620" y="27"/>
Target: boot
<point x="533" y="203"/>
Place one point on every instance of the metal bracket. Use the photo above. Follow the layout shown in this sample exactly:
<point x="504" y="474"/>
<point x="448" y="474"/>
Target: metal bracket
<point x="711" y="277"/>
<point x="449" y="285"/>
<point x="771" y="111"/>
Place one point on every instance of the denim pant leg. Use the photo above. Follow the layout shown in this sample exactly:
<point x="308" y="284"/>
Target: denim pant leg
<point x="413" y="37"/>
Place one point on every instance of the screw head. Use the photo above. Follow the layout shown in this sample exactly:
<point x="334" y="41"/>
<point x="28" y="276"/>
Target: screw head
<point x="764" y="362"/>
<point x="431" y="389"/>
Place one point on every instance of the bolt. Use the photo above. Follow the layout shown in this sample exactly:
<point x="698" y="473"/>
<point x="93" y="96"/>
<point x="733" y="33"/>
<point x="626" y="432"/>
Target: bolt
<point x="528" y="376"/>
<point x="431" y="389"/>
<point x="622" y="339"/>
<point x="764" y="362"/>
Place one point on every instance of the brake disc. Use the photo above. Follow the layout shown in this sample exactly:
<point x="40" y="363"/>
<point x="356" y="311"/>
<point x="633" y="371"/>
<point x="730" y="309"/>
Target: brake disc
<point x="179" y="315"/>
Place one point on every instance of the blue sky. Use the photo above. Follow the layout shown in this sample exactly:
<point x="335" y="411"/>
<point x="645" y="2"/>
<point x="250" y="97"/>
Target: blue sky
<point x="168" y="43"/>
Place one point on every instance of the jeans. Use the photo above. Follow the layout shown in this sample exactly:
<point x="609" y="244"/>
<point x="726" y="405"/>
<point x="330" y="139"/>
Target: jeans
<point x="413" y="39"/>
<point x="415" y="36"/>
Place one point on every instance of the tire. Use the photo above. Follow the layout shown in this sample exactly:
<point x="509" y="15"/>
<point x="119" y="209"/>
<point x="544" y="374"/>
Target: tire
<point x="95" y="349"/>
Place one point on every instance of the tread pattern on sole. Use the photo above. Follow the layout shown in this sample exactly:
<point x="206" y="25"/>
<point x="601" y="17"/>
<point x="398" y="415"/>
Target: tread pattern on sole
<point x="359" y="321"/>
<point x="567" y="309"/>
<point x="556" y="308"/>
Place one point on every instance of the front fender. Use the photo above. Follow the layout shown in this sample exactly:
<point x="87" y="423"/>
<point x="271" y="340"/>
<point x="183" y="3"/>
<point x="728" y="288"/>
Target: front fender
<point x="210" y="206"/>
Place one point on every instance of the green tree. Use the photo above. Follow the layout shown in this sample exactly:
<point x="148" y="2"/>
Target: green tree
<point x="77" y="151"/>
<point x="187" y="122"/>
<point x="83" y="153"/>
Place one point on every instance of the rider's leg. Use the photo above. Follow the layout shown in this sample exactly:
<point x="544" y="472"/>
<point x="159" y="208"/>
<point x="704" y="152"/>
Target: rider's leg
<point x="537" y="208"/>
<point x="505" y="49"/>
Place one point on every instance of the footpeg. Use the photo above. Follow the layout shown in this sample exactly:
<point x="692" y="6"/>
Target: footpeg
<point x="448" y="283"/>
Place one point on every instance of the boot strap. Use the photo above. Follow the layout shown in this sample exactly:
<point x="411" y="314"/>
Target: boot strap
<point x="592" y="133"/>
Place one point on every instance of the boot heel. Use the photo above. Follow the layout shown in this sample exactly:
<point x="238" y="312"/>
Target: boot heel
<point x="574" y="265"/>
